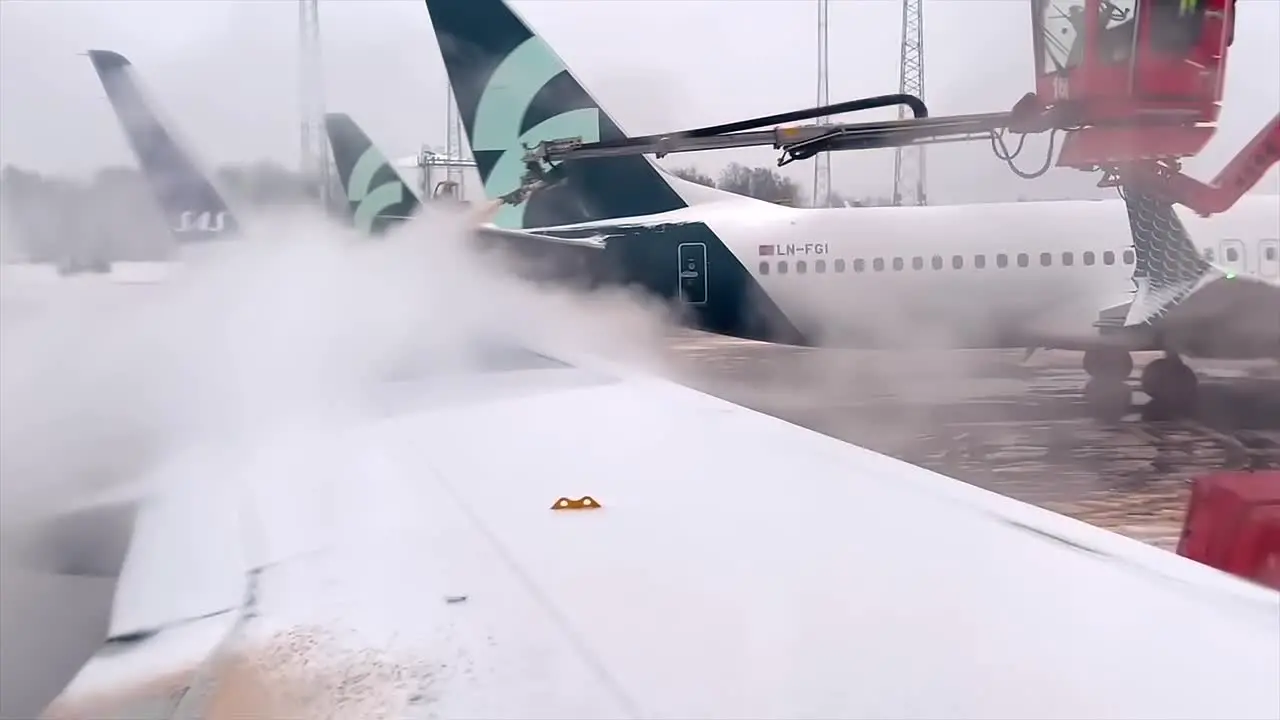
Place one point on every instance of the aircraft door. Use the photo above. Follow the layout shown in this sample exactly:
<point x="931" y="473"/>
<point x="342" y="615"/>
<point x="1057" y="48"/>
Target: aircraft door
<point x="693" y="273"/>
<point x="1232" y="256"/>
<point x="1269" y="258"/>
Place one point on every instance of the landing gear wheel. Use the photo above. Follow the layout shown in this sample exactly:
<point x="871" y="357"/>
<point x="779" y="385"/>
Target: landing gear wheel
<point x="1108" y="363"/>
<point x="1109" y="400"/>
<point x="1172" y="385"/>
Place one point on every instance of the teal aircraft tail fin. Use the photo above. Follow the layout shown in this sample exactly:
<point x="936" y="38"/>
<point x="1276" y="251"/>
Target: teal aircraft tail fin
<point x="513" y="91"/>
<point x="377" y="196"/>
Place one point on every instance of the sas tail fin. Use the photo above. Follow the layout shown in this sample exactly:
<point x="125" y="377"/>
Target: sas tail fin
<point x="376" y="194"/>
<point x="513" y="91"/>
<point x="1167" y="266"/>
<point x="194" y="209"/>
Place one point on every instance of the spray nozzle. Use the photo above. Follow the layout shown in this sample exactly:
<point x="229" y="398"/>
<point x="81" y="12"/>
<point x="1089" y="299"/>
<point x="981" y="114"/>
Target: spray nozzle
<point x="536" y="177"/>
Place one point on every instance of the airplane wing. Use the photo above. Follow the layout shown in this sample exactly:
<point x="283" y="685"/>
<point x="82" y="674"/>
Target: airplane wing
<point x="411" y="565"/>
<point x="592" y="241"/>
<point x="1226" y="315"/>
<point x="583" y="236"/>
<point x="573" y="258"/>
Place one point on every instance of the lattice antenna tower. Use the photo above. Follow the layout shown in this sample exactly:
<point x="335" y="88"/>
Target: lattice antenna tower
<point x="822" y="163"/>
<point x="909" y="162"/>
<point x="454" y="147"/>
<point x="314" y="156"/>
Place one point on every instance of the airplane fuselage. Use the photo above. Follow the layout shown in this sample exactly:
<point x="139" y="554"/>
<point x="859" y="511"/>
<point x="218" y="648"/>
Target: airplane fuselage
<point x="999" y="275"/>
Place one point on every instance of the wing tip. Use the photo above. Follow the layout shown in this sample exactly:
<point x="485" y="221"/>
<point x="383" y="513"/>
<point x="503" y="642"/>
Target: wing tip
<point x="105" y="60"/>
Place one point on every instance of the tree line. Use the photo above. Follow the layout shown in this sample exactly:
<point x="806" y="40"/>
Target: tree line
<point x="767" y="184"/>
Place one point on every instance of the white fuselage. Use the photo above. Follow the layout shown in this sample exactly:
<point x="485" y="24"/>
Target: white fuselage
<point x="1009" y="274"/>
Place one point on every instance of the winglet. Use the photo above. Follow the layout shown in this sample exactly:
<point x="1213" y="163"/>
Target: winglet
<point x="1167" y="266"/>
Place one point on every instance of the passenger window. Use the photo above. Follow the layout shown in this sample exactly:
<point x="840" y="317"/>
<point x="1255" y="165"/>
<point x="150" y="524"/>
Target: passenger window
<point x="859" y="265"/>
<point x="1068" y="259"/>
<point x="897" y="264"/>
<point x="1046" y="259"/>
<point x="1002" y="260"/>
<point x="782" y="267"/>
<point x="1270" y="252"/>
<point x="917" y="263"/>
<point x="1233" y="255"/>
<point x="802" y="267"/>
<point x="936" y="262"/>
<point x="764" y="268"/>
<point x="1089" y="257"/>
<point x="979" y="261"/>
<point x="957" y="261"/>
<point x="877" y="264"/>
<point x="840" y="266"/>
<point x="1023" y="260"/>
<point x="1128" y="257"/>
<point x="820" y="266"/>
<point x="1108" y="258"/>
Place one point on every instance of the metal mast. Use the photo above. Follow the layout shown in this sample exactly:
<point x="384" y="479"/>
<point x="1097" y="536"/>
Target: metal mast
<point x="454" y="145"/>
<point x="822" y="163"/>
<point x="314" y="157"/>
<point x="909" y="162"/>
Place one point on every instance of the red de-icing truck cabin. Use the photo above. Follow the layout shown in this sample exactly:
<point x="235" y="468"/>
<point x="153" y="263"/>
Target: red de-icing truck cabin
<point x="1233" y="524"/>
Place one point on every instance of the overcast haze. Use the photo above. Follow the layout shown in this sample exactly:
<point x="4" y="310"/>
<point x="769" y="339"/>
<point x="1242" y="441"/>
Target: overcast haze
<point x="226" y="72"/>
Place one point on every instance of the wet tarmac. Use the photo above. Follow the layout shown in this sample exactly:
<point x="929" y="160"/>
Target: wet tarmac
<point x="1011" y="425"/>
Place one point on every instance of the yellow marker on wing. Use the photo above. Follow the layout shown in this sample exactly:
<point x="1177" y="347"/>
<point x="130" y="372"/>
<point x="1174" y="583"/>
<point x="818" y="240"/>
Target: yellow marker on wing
<point x="586" y="502"/>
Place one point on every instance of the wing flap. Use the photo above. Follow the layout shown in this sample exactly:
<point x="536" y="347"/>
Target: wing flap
<point x="187" y="555"/>
<point x="144" y="678"/>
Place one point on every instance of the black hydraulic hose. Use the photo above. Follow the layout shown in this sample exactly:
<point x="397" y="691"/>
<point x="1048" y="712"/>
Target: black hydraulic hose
<point x="918" y="108"/>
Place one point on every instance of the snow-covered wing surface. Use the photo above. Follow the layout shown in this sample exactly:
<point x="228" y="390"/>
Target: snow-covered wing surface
<point x="740" y="566"/>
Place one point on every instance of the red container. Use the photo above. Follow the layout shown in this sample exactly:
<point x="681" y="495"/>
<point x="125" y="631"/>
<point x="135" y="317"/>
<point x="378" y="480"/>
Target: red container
<point x="1233" y="524"/>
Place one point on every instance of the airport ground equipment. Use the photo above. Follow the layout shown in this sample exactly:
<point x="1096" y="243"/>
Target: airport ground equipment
<point x="1130" y="87"/>
<point x="1233" y="524"/>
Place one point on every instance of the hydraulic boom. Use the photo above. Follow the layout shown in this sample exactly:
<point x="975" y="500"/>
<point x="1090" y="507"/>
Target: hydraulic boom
<point x="1132" y="85"/>
<point x="1239" y="176"/>
<point x="796" y="142"/>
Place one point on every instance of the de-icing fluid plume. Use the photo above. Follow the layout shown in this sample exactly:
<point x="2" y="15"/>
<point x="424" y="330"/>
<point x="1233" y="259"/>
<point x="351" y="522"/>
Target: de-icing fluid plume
<point x="294" y="322"/>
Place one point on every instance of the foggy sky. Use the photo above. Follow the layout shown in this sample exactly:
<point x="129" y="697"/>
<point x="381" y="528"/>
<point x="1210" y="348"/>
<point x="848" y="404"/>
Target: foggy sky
<point x="226" y="73"/>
